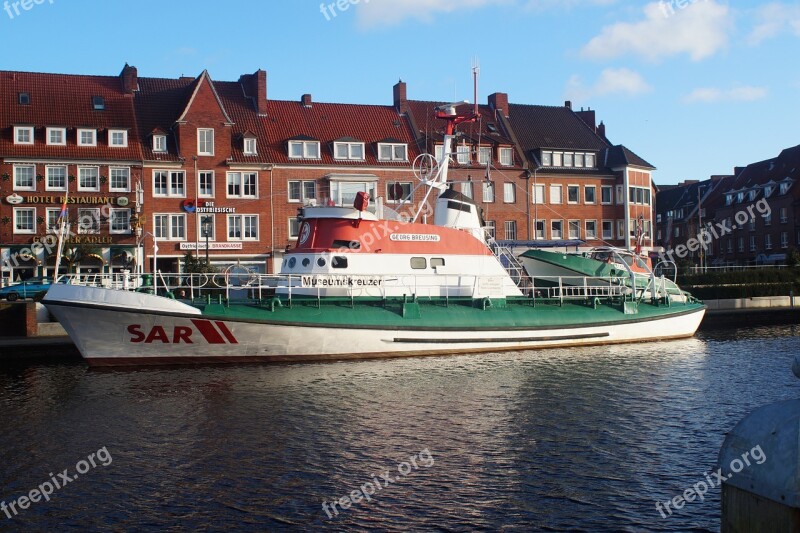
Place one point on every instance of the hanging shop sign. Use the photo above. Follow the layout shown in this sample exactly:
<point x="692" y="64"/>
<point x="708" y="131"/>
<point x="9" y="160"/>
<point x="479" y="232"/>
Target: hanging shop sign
<point x="14" y="199"/>
<point x="74" y="200"/>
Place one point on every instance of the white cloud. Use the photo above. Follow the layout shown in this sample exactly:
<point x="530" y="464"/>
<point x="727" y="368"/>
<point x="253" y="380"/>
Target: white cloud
<point x="712" y="95"/>
<point x="389" y="13"/>
<point x="541" y="5"/>
<point x="611" y="81"/>
<point x="698" y="30"/>
<point x="774" y="19"/>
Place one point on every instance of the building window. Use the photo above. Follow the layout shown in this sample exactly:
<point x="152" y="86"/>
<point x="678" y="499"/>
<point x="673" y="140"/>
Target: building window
<point x="728" y="199"/>
<point x="87" y="137"/>
<point x="569" y="159"/>
<point x="345" y="192"/>
<point x="24" y="220"/>
<point x="53" y="214"/>
<point x="24" y="98"/>
<point x="509" y="193"/>
<point x="488" y="191"/>
<point x="169" y="183"/>
<point x="741" y="244"/>
<point x="159" y="143"/>
<point x="243" y="227"/>
<point x="511" y="230"/>
<point x="573" y="194"/>
<point x="506" y="157"/>
<point x="677" y="232"/>
<point x="574" y="229"/>
<point x="785" y="187"/>
<point x="555" y="194"/>
<point x="205" y="141"/>
<point x="752" y="224"/>
<point x="206" y="178"/>
<point x="768" y="219"/>
<point x="304" y="149"/>
<point x="491" y="228"/>
<point x="784" y="215"/>
<point x="590" y="194"/>
<point x="784" y="239"/>
<point x="398" y="191"/>
<point x="558" y="159"/>
<point x="302" y="191"/>
<point x="768" y="190"/>
<point x="57" y="136"/>
<point x="119" y="221"/>
<point x="250" y="146"/>
<point x="88" y="179"/>
<point x="24" y="178"/>
<point x="767" y="241"/>
<point x="621" y="229"/>
<point x="752" y="243"/>
<point x="89" y="220"/>
<point x="23" y="134"/>
<point x="348" y="150"/>
<point x="56" y="178"/>
<point x="119" y="179"/>
<point x="556" y="229"/>
<point x="540" y="232"/>
<point x="608" y="230"/>
<point x="606" y="194"/>
<point x="98" y="103"/>
<point x="294" y="228"/>
<point x="730" y="246"/>
<point x="466" y="189"/>
<point x="118" y="138"/>
<point x="242" y="184"/>
<point x="462" y="154"/>
<point x="580" y="160"/>
<point x="590" y="160"/>
<point x="591" y="229"/>
<point x="547" y="159"/>
<point x="484" y="155"/>
<point x="171" y="227"/>
<point x="538" y="194"/>
<point x="207" y="224"/>
<point x="392" y="152"/>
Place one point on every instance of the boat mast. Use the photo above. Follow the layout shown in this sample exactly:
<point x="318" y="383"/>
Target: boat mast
<point x="62" y="219"/>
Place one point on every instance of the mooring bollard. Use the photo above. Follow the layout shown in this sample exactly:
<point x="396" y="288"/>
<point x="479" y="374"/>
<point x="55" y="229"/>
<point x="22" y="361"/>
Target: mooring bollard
<point x="761" y="460"/>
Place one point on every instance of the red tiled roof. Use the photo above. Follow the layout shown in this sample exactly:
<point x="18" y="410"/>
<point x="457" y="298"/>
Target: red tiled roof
<point x="63" y="100"/>
<point x="159" y="103"/>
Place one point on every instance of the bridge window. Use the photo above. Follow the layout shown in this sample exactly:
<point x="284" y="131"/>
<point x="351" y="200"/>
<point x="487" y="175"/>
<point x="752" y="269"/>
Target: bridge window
<point x="419" y="263"/>
<point x="339" y="262"/>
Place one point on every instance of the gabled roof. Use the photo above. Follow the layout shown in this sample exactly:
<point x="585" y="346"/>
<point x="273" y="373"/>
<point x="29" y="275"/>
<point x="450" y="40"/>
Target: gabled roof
<point x="63" y="100"/>
<point x="619" y="156"/>
<point x="201" y="79"/>
<point x="552" y="127"/>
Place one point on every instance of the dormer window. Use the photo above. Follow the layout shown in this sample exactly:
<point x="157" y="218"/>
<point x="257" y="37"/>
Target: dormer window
<point x="739" y="197"/>
<point x="506" y="157"/>
<point x="304" y="149"/>
<point x="118" y="138"/>
<point x="484" y="155"/>
<point x="392" y="152"/>
<point x="768" y="190"/>
<point x="24" y="99"/>
<point x="728" y="199"/>
<point x="87" y="137"/>
<point x="348" y="150"/>
<point x="23" y="134"/>
<point x="250" y="146"/>
<point x="98" y="103"/>
<point x="462" y="154"/>
<point x="785" y="187"/>
<point x="57" y="136"/>
<point x="159" y="143"/>
<point x="751" y="195"/>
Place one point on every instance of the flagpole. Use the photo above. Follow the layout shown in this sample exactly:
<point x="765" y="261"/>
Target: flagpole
<point x="62" y="218"/>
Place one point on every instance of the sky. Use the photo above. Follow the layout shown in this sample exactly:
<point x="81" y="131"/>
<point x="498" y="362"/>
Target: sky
<point x="695" y="87"/>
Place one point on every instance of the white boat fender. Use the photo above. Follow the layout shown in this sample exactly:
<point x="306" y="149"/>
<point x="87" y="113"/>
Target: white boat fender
<point x="487" y="302"/>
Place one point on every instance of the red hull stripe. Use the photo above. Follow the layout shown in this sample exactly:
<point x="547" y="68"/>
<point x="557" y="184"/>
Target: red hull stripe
<point x="208" y="331"/>
<point x="225" y="331"/>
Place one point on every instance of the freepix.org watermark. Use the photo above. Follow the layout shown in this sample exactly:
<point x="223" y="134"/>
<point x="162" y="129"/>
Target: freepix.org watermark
<point x="377" y="483"/>
<point x="669" y="7"/>
<point x="715" y="479"/>
<point x="56" y="482"/>
<point x="330" y="10"/>
<point x="16" y="7"/>
<point x="713" y="231"/>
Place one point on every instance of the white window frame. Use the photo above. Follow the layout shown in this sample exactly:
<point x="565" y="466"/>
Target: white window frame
<point x="463" y="154"/>
<point x="170" y="226"/>
<point x="17" y="212"/>
<point x="509" y="191"/>
<point x="304" y="145"/>
<point x="47" y="185"/>
<point x="573" y="223"/>
<point x="487" y="192"/>
<point x="557" y="199"/>
<point x="784" y="215"/>
<point x="124" y="140"/>
<point x="115" y="212"/>
<point x="159" y="143"/>
<point x="538" y="234"/>
<point x="547" y="158"/>
<point x="569" y="159"/>
<point x="484" y="155"/>
<point x="49" y="212"/>
<point x="585" y="190"/>
<point x="752" y="243"/>
<point x="200" y="175"/>
<point x="590" y="160"/>
<point x="610" y="189"/>
<point x="97" y="179"/>
<point x="168" y="174"/>
<point x="241" y="185"/>
<point x="574" y="187"/>
<point x="204" y="143"/>
<point x="49" y="132"/>
<point x="94" y="216"/>
<point x="621" y="229"/>
<point x="303" y="197"/>
<point x="768" y="241"/>
<point x="620" y="191"/>
<point x="538" y="192"/>
<point x="127" y="171"/>
<point x="607" y="235"/>
<point x="349" y="149"/>
<point x="491" y="228"/>
<point x="553" y="230"/>
<point x="241" y="218"/>
<point x="510" y="226"/>
<point x="586" y="231"/>
<point x="250" y="146"/>
<point x="407" y="188"/>
<point x="506" y="157"/>
<point x="784" y="239"/>
<point x="90" y="131"/>
<point x="23" y="129"/>
<point x="293" y="228"/>
<point x="392" y="150"/>
<point x="32" y="186"/>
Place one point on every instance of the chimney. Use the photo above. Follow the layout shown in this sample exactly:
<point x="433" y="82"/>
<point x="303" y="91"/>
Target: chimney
<point x="400" y="96"/>
<point x="568" y="104"/>
<point x="499" y="103"/>
<point x="130" y="79"/>
<point x="601" y="130"/>
<point x="588" y="117"/>
<point x="255" y="87"/>
<point x="306" y="100"/>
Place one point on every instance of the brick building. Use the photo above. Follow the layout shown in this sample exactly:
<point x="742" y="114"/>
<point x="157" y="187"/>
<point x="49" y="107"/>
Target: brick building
<point x="220" y="169"/>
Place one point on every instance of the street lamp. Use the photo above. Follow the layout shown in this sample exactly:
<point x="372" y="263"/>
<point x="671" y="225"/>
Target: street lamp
<point x="206" y="225"/>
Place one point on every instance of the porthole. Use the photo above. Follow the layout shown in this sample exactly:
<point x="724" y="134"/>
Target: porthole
<point x="321" y="261"/>
<point x="306" y="261"/>
<point x="292" y="262"/>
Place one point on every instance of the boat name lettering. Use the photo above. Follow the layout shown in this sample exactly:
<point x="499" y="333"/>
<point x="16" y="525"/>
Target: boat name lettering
<point x="215" y="332"/>
<point x="340" y="281"/>
<point x="414" y="237"/>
